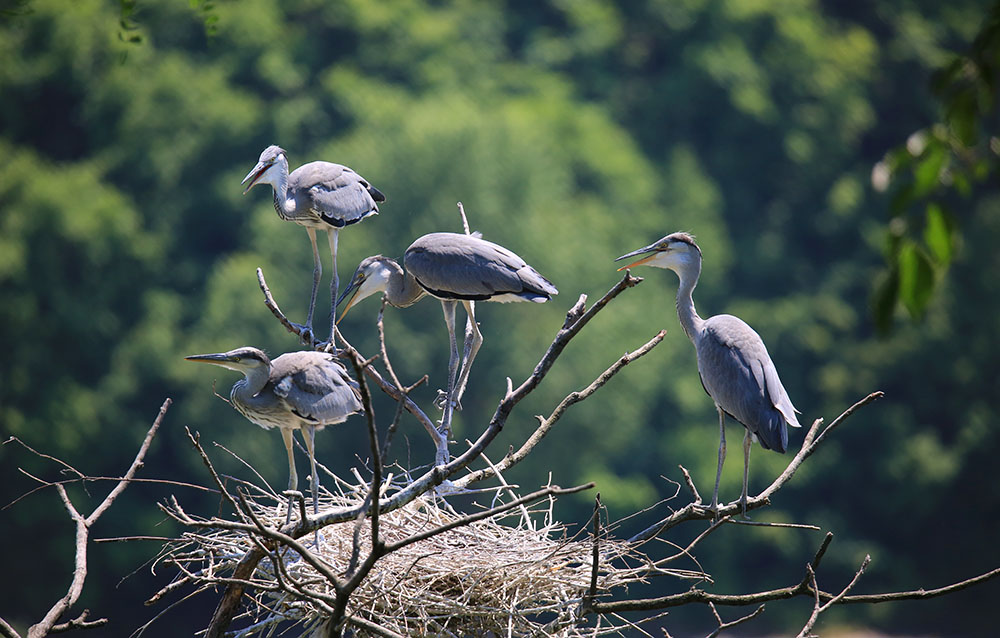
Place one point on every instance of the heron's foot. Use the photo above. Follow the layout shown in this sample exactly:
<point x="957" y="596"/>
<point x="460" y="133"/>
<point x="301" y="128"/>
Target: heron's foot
<point x="442" y="398"/>
<point x="714" y="509"/>
<point x="743" y="510"/>
<point x="306" y="335"/>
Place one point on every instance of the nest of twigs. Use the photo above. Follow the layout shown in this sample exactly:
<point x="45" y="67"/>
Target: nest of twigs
<point x="512" y="574"/>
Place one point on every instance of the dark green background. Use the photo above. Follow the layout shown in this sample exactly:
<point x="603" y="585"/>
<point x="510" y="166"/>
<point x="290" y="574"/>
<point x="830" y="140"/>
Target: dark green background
<point x="573" y="131"/>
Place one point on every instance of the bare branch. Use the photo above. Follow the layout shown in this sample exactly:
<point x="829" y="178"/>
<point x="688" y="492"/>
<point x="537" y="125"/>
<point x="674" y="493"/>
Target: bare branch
<point x="817" y="609"/>
<point x="7" y="631"/>
<point x="733" y="623"/>
<point x="195" y="441"/>
<point x="48" y="624"/>
<point x="545" y="424"/>
<point x="276" y="311"/>
<point x="595" y="558"/>
<point x="80" y="622"/>
<point x="697" y="511"/>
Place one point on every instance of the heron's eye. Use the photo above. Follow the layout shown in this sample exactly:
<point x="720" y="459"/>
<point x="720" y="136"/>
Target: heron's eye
<point x="236" y="359"/>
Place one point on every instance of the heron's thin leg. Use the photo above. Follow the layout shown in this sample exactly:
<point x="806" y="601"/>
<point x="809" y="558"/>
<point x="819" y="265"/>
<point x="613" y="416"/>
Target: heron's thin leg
<point x="722" y="458"/>
<point x="309" y="436"/>
<point x="317" y="273"/>
<point x="293" y="478"/>
<point x="473" y="342"/>
<point x="747" y="441"/>
<point x="335" y="282"/>
<point x="449" y="318"/>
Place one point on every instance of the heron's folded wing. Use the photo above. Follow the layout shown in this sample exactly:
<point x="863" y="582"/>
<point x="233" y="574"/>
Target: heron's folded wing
<point x="318" y="388"/>
<point x="336" y="193"/>
<point x="467" y="267"/>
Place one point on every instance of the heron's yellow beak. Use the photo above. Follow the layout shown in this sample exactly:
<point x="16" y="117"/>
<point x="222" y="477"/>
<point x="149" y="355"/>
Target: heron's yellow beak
<point x="638" y="263"/>
<point x="350" y="302"/>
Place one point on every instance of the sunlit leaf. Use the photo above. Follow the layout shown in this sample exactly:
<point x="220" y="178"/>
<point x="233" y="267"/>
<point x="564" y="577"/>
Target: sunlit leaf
<point x="928" y="169"/>
<point x="938" y="234"/>
<point x="916" y="279"/>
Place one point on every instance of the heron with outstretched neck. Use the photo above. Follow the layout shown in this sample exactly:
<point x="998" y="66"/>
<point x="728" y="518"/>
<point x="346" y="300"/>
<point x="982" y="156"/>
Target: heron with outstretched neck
<point x="298" y="391"/>
<point x="735" y="368"/>
<point x="316" y="196"/>
<point x="456" y="269"/>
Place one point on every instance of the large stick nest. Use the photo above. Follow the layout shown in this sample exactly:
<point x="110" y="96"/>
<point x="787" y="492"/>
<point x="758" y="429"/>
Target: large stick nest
<point x="506" y="575"/>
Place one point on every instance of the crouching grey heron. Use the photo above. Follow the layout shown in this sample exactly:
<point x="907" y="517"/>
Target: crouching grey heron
<point x="733" y="363"/>
<point x="455" y="269"/>
<point x="316" y="196"/>
<point x="303" y="391"/>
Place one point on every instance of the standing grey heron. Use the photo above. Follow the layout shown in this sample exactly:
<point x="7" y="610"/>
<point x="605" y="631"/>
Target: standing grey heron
<point x="455" y="269"/>
<point x="733" y="363"/>
<point x="316" y="196"/>
<point x="303" y="391"/>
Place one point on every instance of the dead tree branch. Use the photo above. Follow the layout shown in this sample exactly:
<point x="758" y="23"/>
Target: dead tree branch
<point x="697" y="510"/>
<point x="50" y="622"/>
<point x="545" y="424"/>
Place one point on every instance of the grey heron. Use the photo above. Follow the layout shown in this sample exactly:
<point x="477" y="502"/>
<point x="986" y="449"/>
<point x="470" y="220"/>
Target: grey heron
<point x="316" y="196"/>
<point x="303" y="391"/>
<point x="455" y="269"/>
<point x="735" y="368"/>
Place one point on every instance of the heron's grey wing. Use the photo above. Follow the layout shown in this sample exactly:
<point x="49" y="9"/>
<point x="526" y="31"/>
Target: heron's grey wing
<point x="467" y="267"/>
<point x="315" y="386"/>
<point x="737" y="372"/>
<point x="336" y="193"/>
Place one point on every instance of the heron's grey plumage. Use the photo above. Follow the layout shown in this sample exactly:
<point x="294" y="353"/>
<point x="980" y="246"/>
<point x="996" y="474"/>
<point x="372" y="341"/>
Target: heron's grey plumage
<point x="453" y="266"/>
<point x="456" y="269"/>
<point x="317" y="196"/>
<point x="303" y="391"/>
<point x="734" y="365"/>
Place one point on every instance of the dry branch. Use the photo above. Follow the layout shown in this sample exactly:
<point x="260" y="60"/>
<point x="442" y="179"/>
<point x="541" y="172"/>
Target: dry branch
<point x="50" y="622"/>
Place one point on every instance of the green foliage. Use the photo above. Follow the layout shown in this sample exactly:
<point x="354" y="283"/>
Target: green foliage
<point x="935" y="172"/>
<point x="573" y="132"/>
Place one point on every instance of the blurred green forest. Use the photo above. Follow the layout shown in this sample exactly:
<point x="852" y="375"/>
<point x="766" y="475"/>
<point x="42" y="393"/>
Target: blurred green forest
<point x="573" y="131"/>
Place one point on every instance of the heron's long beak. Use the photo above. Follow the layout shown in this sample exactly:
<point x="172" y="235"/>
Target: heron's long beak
<point x="646" y="249"/>
<point x="257" y="171"/>
<point x="218" y="359"/>
<point x="355" y="288"/>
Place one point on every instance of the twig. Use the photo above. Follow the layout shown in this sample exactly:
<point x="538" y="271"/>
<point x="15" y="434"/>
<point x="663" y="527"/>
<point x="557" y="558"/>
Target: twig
<point x="48" y="623"/>
<point x="272" y="305"/>
<point x="697" y="511"/>
<point x="732" y="623"/>
<point x="546" y="424"/>
<point x="595" y="558"/>
<point x="817" y="609"/>
<point x="403" y="394"/>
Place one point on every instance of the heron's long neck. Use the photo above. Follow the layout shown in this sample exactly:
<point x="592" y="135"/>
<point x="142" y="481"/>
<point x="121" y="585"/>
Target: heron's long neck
<point x="283" y="205"/>
<point x="244" y="392"/>
<point x="688" y="316"/>
<point x="403" y="289"/>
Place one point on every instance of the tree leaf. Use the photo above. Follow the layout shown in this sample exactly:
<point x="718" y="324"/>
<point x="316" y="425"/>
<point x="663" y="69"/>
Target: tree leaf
<point x="938" y="234"/>
<point x="928" y="169"/>
<point x="916" y="279"/>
